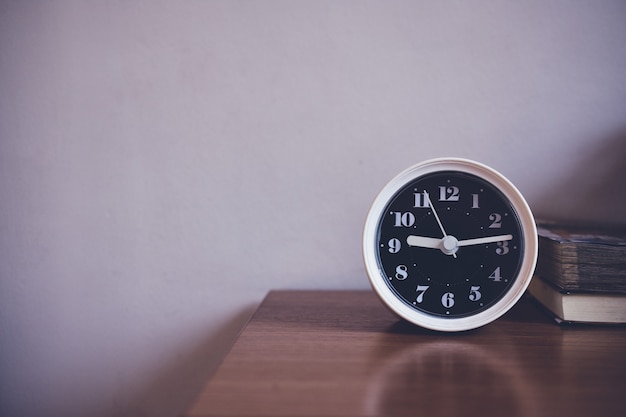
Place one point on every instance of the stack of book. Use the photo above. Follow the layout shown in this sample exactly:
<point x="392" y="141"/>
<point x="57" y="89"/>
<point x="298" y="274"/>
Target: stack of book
<point x="581" y="273"/>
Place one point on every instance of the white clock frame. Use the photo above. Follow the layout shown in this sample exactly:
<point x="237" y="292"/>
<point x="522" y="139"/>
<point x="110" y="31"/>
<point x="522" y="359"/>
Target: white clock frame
<point x="378" y="278"/>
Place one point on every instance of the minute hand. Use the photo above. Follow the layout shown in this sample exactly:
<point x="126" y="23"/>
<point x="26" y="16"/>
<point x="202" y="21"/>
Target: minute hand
<point x="482" y="240"/>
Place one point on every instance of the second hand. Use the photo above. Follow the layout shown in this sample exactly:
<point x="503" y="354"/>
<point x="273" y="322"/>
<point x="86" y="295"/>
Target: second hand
<point x="430" y="203"/>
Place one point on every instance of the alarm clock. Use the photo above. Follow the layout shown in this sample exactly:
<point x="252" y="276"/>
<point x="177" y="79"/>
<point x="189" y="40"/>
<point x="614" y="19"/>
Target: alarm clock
<point x="450" y="244"/>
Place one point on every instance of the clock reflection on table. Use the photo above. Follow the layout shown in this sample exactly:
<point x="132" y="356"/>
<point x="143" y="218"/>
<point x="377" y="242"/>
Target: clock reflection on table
<point x="449" y="378"/>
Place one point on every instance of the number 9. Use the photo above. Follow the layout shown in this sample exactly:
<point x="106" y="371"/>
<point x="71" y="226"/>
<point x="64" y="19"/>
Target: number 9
<point x="394" y="245"/>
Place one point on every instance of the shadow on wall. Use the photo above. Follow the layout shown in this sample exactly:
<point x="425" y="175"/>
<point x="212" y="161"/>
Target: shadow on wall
<point x="175" y="389"/>
<point x="594" y="191"/>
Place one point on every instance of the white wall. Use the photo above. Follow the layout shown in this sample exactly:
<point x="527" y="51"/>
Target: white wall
<point x="164" y="164"/>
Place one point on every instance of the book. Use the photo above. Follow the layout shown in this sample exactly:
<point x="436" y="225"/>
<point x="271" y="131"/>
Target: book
<point x="583" y="257"/>
<point x="579" y="307"/>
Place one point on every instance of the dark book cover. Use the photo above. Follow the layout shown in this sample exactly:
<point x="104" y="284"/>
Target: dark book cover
<point x="583" y="257"/>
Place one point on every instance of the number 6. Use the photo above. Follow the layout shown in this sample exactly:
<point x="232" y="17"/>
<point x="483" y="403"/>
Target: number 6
<point x="447" y="300"/>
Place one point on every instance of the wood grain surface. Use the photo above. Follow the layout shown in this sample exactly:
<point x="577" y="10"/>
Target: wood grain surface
<point x="341" y="353"/>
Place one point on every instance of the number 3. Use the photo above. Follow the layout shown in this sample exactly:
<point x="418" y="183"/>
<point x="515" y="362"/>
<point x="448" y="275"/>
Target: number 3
<point x="503" y="248"/>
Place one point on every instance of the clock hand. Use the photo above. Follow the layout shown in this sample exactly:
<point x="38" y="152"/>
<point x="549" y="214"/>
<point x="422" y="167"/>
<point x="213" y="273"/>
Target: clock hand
<point x="481" y="240"/>
<point x="451" y="250"/>
<point x="448" y="245"/>
<point x="423" y="242"/>
<point x="435" y="213"/>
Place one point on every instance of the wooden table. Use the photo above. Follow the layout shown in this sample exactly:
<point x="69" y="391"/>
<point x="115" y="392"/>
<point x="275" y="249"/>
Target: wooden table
<point x="341" y="353"/>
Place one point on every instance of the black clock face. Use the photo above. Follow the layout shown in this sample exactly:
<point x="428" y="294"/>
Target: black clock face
<point x="450" y="244"/>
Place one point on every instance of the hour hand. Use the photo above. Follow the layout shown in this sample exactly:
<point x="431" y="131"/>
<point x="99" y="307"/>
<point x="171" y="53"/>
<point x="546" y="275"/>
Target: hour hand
<point x="423" y="242"/>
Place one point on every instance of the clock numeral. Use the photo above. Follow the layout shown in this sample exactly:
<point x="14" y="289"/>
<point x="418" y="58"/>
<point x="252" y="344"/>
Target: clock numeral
<point x="475" y="201"/>
<point x="394" y="245"/>
<point x="402" y="272"/>
<point x="495" y="275"/>
<point x="448" y="193"/>
<point x="406" y="219"/>
<point x="421" y="290"/>
<point x="475" y="294"/>
<point x="503" y="248"/>
<point x="421" y="200"/>
<point x="447" y="300"/>
<point x="496" y="219"/>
